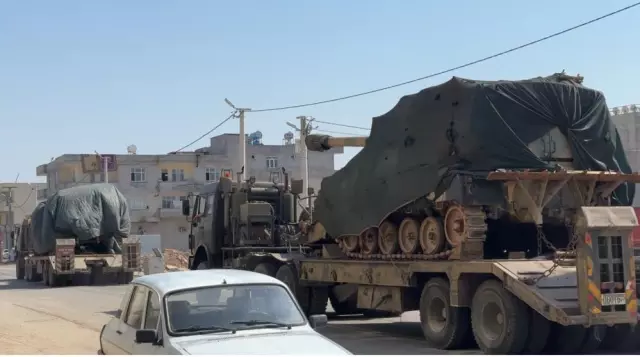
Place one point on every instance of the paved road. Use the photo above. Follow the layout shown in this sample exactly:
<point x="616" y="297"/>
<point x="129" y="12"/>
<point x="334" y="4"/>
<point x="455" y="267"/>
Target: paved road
<point x="39" y="320"/>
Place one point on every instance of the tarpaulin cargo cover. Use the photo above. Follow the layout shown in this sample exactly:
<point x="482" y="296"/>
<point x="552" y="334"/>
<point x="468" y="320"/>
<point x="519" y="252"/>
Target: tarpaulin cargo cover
<point x="476" y="126"/>
<point x="85" y="212"/>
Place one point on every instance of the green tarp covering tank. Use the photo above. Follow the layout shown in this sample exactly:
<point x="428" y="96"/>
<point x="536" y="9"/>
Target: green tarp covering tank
<point x="96" y="215"/>
<point x="473" y="127"/>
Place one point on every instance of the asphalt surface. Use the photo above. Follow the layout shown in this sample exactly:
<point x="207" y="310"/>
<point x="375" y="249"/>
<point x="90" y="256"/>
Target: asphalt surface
<point x="67" y="320"/>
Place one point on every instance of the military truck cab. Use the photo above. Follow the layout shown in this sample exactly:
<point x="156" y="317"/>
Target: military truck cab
<point x="243" y="224"/>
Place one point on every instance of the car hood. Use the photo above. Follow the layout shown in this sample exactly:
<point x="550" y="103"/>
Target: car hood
<point x="262" y="342"/>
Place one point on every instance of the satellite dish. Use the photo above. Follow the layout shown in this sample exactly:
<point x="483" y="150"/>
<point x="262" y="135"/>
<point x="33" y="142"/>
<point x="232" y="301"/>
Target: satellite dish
<point x="132" y="149"/>
<point x="258" y="135"/>
<point x="288" y="135"/>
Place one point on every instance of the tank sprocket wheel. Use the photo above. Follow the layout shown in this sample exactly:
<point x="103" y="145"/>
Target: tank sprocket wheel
<point x="369" y="241"/>
<point x="350" y="243"/>
<point x="432" y="238"/>
<point x="408" y="235"/>
<point x="388" y="238"/>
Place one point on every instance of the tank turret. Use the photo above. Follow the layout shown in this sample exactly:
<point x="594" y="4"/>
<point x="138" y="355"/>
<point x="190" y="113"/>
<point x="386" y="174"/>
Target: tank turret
<point x="325" y="142"/>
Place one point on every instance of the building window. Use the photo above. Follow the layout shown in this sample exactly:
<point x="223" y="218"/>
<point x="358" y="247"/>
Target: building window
<point x="272" y="162"/>
<point x="164" y="175"/>
<point x="138" y="174"/>
<point x="168" y="202"/>
<point x="177" y="175"/>
<point x="274" y="176"/>
<point x="211" y="174"/>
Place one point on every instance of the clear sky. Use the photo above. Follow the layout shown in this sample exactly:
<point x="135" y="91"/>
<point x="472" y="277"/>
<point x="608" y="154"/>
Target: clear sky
<point x="78" y="76"/>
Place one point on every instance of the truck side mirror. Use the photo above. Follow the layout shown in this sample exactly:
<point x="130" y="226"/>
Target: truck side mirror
<point x="186" y="208"/>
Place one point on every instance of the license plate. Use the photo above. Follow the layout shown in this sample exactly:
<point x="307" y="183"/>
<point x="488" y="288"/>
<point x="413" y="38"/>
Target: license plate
<point x="613" y="299"/>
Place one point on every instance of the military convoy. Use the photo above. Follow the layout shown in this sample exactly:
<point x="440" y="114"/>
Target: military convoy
<point x="498" y="210"/>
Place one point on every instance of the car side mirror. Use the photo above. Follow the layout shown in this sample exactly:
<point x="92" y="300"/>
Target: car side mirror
<point x="318" y="321"/>
<point x="146" y="336"/>
<point x="186" y="208"/>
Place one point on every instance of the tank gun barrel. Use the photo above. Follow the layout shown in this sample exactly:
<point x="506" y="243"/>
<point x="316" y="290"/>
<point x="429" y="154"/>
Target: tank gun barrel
<point x="316" y="142"/>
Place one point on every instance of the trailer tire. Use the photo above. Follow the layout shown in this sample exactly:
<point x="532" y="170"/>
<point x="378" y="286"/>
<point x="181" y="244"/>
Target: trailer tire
<point x="539" y="328"/>
<point x="565" y="340"/>
<point x="347" y="307"/>
<point x="443" y="325"/>
<point x="593" y="339"/>
<point x="499" y="320"/>
<point x="125" y="277"/>
<point x="266" y="269"/>
<point x="203" y="265"/>
<point x="619" y="338"/>
<point x="45" y="274"/>
<point x="318" y="299"/>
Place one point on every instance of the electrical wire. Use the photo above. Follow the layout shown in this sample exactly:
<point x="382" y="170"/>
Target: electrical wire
<point x="338" y="124"/>
<point x="468" y="64"/>
<point x="205" y="134"/>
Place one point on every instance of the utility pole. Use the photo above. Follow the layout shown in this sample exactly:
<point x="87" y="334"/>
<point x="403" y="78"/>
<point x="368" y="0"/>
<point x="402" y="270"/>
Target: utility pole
<point x="9" y="224"/>
<point x="243" y="170"/>
<point x="303" y="131"/>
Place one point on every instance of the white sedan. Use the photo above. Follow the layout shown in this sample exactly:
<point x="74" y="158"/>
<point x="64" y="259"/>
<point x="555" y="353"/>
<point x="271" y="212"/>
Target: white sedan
<point x="213" y="312"/>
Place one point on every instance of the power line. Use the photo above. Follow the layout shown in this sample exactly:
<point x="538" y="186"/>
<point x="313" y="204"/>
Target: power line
<point x="343" y="125"/>
<point x="205" y="134"/>
<point x="468" y="64"/>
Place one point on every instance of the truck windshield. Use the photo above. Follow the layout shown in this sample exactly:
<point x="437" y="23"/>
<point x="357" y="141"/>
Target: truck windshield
<point x="230" y="308"/>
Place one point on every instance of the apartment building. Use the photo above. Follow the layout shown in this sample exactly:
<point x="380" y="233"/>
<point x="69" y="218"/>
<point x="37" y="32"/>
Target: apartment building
<point x="627" y="120"/>
<point x="155" y="184"/>
<point x="18" y="200"/>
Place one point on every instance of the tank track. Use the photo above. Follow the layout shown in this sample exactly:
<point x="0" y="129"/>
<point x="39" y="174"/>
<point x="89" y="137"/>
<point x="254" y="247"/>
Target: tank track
<point x="473" y="235"/>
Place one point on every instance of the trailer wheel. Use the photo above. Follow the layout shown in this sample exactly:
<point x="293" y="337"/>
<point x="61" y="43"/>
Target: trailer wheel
<point x="202" y="265"/>
<point x="124" y="277"/>
<point x="619" y="338"/>
<point x="593" y="339"/>
<point x="266" y="269"/>
<point x="20" y="270"/>
<point x="499" y="320"/>
<point x="539" y="328"/>
<point x="45" y="274"/>
<point x="318" y="299"/>
<point x="287" y="274"/>
<point x="347" y="307"/>
<point x="443" y="325"/>
<point x="565" y="340"/>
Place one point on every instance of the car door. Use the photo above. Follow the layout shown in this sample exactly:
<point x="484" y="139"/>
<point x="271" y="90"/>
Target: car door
<point x="132" y="321"/>
<point x="151" y="322"/>
<point x="110" y="340"/>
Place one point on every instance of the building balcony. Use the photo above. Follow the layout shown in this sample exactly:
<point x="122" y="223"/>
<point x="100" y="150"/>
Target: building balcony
<point x="41" y="170"/>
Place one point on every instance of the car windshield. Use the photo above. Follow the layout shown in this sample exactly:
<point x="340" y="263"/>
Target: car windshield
<point x="230" y="308"/>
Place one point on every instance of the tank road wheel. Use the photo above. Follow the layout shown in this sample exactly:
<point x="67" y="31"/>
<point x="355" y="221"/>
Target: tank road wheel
<point x="349" y="244"/>
<point x="455" y="225"/>
<point x="388" y="238"/>
<point x="499" y="320"/>
<point x="369" y="241"/>
<point x="408" y="235"/>
<point x="432" y="239"/>
<point x="443" y="325"/>
<point x="266" y="269"/>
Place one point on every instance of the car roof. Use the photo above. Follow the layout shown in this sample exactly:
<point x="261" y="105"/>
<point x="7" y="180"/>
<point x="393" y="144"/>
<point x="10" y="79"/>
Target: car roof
<point x="164" y="283"/>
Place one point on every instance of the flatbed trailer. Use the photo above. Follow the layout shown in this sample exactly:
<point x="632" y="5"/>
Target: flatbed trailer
<point x="65" y="267"/>
<point x="567" y="305"/>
